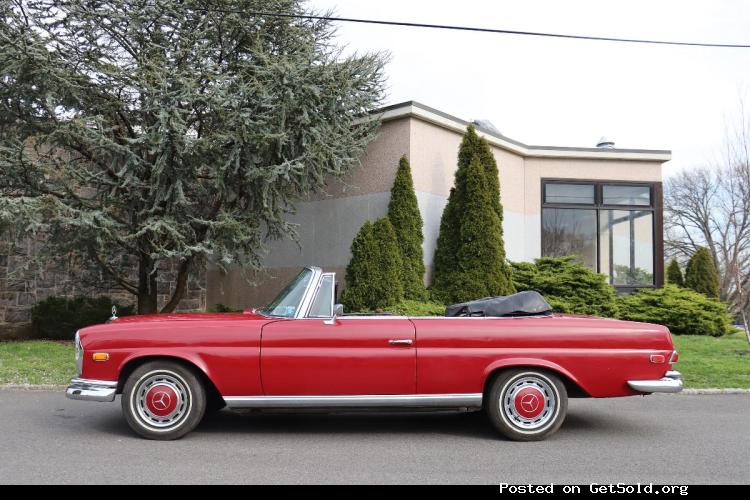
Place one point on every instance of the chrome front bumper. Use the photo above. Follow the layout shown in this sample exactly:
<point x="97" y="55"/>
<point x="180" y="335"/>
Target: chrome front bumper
<point x="85" y="389"/>
<point x="671" y="382"/>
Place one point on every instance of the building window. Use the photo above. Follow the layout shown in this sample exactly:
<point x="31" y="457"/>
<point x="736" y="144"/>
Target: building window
<point x="626" y="195"/>
<point x="609" y="226"/>
<point x="569" y="231"/>
<point x="626" y="247"/>
<point x="569" y="193"/>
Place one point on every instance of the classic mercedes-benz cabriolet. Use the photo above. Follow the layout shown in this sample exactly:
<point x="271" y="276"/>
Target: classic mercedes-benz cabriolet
<point x="509" y="356"/>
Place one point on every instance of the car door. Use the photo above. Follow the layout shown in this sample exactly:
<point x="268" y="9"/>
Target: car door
<point x="366" y="355"/>
<point x="351" y="356"/>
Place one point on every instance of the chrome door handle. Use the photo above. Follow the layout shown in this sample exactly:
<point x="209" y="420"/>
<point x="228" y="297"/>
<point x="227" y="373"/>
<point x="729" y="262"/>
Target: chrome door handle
<point x="400" y="342"/>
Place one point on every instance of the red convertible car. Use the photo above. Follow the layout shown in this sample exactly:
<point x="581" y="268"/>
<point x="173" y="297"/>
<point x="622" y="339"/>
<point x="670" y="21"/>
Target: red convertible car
<point x="302" y="352"/>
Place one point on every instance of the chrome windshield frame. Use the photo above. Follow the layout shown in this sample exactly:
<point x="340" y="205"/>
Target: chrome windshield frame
<point x="307" y="296"/>
<point x="312" y="288"/>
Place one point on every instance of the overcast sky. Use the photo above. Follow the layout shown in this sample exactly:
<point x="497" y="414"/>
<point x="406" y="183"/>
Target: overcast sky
<point x="546" y="91"/>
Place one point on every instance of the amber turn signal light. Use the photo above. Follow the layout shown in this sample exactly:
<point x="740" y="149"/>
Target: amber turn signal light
<point x="100" y="356"/>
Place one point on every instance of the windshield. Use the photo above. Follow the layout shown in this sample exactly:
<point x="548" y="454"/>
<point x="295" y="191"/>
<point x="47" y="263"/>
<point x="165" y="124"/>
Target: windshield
<point x="287" y="302"/>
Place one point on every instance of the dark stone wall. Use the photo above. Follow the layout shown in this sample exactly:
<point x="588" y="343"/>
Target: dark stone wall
<point x="24" y="282"/>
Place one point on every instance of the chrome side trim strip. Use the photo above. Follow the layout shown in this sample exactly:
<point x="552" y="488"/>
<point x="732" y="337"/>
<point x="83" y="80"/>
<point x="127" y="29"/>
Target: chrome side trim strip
<point x="369" y="401"/>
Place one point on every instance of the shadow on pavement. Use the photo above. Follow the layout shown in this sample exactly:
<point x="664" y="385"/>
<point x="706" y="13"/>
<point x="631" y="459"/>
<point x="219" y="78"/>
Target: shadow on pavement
<point x="472" y="425"/>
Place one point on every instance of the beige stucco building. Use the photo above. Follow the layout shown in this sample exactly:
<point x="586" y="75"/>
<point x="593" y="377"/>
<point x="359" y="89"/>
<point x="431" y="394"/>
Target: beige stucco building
<point x="601" y="203"/>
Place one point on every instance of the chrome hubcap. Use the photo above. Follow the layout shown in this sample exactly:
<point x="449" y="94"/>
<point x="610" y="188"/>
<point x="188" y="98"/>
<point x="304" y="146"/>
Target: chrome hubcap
<point x="162" y="399"/>
<point x="529" y="403"/>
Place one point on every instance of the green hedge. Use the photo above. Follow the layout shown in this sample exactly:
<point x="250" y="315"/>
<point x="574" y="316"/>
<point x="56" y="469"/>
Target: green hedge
<point x="568" y="286"/>
<point x="417" y="308"/>
<point x="223" y="308"/>
<point x="683" y="311"/>
<point x="59" y="318"/>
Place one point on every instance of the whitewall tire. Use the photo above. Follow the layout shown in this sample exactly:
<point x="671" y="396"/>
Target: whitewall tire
<point x="527" y="404"/>
<point x="163" y="400"/>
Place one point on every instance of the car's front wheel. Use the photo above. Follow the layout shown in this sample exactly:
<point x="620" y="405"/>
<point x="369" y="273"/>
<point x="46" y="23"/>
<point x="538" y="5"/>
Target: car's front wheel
<point x="527" y="404"/>
<point x="163" y="400"/>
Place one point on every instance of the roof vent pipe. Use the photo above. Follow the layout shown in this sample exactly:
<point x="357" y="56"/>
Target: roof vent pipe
<point x="605" y="143"/>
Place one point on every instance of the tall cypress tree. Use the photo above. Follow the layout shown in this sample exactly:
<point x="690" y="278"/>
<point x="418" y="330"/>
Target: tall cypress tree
<point x="373" y="279"/>
<point x="701" y="274"/>
<point x="453" y="269"/>
<point x="481" y="258"/>
<point x="674" y="274"/>
<point x="388" y="289"/>
<point x="403" y="212"/>
<point x="474" y="146"/>
<point x="360" y="271"/>
<point x="445" y="262"/>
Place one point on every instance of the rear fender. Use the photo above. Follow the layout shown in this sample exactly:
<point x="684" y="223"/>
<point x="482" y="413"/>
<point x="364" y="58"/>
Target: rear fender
<point x="531" y="362"/>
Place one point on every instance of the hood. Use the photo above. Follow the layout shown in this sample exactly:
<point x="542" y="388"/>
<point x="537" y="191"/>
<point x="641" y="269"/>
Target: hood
<point x="160" y="321"/>
<point x="151" y="318"/>
<point x="162" y="330"/>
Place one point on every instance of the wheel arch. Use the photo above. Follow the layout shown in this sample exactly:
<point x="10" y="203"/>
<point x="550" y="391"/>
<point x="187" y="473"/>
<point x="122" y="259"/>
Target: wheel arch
<point x="572" y="385"/>
<point x="196" y="366"/>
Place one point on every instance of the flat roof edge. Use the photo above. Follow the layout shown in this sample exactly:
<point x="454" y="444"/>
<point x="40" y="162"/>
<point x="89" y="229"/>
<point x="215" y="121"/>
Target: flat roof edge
<point x="445" y="120"/>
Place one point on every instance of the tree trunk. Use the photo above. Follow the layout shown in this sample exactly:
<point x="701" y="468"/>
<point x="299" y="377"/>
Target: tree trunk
<point x="147" y="297"/>
<point x="741" y="301"/>
<point x="180" y="287"/>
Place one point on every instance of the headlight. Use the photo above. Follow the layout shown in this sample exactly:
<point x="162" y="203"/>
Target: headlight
<point x="79" y="354"/>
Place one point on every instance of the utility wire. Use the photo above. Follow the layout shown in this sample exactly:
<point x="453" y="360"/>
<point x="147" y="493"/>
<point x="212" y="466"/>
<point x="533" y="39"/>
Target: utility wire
<point x="475" y="29"/>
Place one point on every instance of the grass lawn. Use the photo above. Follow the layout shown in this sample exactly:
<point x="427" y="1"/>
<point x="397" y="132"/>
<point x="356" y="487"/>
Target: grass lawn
<point x="37" y="362"/>
<point x="704" y="361"/>
<point x="714" y="362"/>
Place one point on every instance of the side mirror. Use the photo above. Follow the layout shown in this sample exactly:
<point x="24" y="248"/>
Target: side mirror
<point x="338" y="310"/>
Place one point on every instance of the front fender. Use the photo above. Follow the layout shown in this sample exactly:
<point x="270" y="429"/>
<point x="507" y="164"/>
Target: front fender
<point x="191" y="358"/>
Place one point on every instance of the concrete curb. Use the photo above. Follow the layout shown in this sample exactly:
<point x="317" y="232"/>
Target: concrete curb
<point x="709" y="391"/>
<point x="33" y="387"/>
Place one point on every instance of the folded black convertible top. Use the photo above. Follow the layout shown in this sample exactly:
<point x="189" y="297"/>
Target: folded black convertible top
<point x="519" y="304"/>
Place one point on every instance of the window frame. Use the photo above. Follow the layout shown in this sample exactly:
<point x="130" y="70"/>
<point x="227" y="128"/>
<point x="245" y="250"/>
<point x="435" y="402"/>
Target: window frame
<point x="332" y="297"/>
<point x="655" y="207"/>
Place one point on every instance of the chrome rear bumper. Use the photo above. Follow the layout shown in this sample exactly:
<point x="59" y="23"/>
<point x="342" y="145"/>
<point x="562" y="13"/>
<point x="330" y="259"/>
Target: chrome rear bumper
<point x="91" y="390"/>
<point x="671" y="382"/>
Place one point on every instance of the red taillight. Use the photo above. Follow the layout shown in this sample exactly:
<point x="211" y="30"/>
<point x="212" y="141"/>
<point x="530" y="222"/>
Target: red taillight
<point x="674" y="358"/>
<point x="657" y="358"/>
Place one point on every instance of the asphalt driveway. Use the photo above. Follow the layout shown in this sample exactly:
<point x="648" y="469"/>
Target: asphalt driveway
<point x="45" y="438"/>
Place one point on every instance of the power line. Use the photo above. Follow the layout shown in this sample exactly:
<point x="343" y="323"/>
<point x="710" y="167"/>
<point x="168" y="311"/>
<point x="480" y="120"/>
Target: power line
<point x="475" y="29"/>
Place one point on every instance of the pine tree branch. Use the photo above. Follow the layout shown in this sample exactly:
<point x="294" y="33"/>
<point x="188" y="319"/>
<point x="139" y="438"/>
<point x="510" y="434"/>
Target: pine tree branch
<point x="108" y="269"/>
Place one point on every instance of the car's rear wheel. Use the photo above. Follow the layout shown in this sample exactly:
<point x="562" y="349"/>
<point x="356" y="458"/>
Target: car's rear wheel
<point x="527" y="404"/>
<point x="163" y="400"/>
